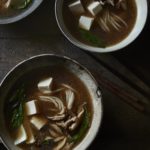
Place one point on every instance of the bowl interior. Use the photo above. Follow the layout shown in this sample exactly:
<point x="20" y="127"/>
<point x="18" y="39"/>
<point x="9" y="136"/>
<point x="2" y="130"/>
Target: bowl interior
<point x="39" y="62"/>
<point x="19" y="14"/>
<point x="142" y="12"/>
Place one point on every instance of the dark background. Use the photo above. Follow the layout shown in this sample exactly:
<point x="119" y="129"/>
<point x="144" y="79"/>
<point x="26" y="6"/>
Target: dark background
<point x="123" y="128"/>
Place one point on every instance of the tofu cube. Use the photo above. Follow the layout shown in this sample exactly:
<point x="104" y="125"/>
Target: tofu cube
<point x="85" y="22"/>
<point x="4" y="4"/>
<point x="31" y="107"/>
<point x="94" y="8"/>
<point x="21" y="135"/>
<point x="38" y="121"/>
<point x="45" y="85"/>
<point x="76" y="7"/>
<point x="28" y="129"/>
<point x="30" y="136"/>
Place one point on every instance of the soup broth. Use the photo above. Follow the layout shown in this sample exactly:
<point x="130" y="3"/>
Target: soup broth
<point x="13" y="7"/>
<point x="65" y="132"/>
<point x="111" y="25"/>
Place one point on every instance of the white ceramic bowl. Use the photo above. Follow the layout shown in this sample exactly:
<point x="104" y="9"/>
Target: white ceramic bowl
<point x="45" y="60"/>
<point x="21" y="14"/>
<point x="142" y="12"/>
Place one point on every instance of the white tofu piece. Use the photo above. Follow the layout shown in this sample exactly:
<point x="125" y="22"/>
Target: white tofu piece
<point x="38" y="121"/>
<point x="76" y="7"/>
<point x="30" y="136"/>
<point x="94" y="8"/>
<point x="4" y="4"/>
<point x="29" y="131"/>
<point x="45" y="85"/>
<point x="31" y="107"/>
<point x="21" y="135"/>
<point x="7" y="4"/>
<point x="85" y="22"/>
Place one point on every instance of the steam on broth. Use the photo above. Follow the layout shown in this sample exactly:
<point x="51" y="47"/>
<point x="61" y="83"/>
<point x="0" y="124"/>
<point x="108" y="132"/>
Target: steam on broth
<point x="11" y="7"/>
<point x="100" y="23"/>
<point x="48" y="111"/>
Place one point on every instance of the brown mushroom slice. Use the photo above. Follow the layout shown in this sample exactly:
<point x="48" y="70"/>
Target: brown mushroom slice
<point x="53" y="133"/>
<point x="68" y="146"/>
<point x="48" y="138"/>
<point x="111" y="2"/>
<point x="122" y="4"/>
<point x="80" y="113"/>
<point x="119" y="19"/>
<point x="78" y="119"/>
<point x="56" y="91"/>
<point x="60" y="104"/>
<point x="56" y="128"/>
<point x="68" y="87"/>
<point x="5" y="4"/>
<point x="69" y="98"/>
<point x="59" y="139"/>
<point x="56" y="101"/>
<point x="57" y="117"/>
<point x="74" y="126"/>
<point x="60" y="144"/>
<point x="48" y="99"/>
<point x="69" y="121"/>
<point x="61" y="124"/>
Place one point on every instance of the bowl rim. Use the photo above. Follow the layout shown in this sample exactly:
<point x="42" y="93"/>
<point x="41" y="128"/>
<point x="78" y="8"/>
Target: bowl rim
<point x="86" y="47"/>
<point x="98" y="93"/>
<point x="11" y="19"/>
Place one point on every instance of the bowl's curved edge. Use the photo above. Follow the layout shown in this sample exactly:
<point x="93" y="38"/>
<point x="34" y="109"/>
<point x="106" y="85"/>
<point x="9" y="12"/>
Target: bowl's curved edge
<point x="83" y="46"/>
<point x="22" y="15"/>
<point x="77" y="63"/>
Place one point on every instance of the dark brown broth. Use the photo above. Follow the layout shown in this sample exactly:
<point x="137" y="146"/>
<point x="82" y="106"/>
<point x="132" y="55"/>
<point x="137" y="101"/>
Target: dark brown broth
<point x="111" y="38"/>
<point x="12" y="10"/>
<point x="60" y="75"/>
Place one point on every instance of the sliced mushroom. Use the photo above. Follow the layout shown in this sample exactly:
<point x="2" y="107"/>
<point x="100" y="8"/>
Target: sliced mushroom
<point x="69" y="121"/>
<point x="48" y="99"/>
<point x="48" y="138"/>
<point x="68" y="146"/>
<point x="56" y="91"/>
<point x="58" y="139"/>
<point x="80" y="112"/>
<point x="74" y="125"/>
<point x="56" y="101"/>
<point x="122" y="4"/>
<point x="61" y="124"/>
<point x="69" y="98"/>
<point x="57" y="117"/>
<point x="60" y="144"/>
<point x="111" y="2"/>
<point x="53" y="133"/>
<point x="56" y="128"/>
<point x="119" y="19"/>
<point x="103" y="25"/>
<point x="78" y="119"/>
<point x="68" y="87"/>
<point x="5" y="3"/>
<point x="66" y="124"/>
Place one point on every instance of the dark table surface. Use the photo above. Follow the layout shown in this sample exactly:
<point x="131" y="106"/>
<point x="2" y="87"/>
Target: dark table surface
<point x="123" y="126"/>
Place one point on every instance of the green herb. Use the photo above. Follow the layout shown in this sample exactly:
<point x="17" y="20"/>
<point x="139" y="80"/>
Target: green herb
<point x="17" y="116"/>
<point x="16" y="107"/>
<point x="84" y="126"/>
<point x="96" y="41"/>
<point x="21" y="4"/>
<point x="46" y="142"/>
